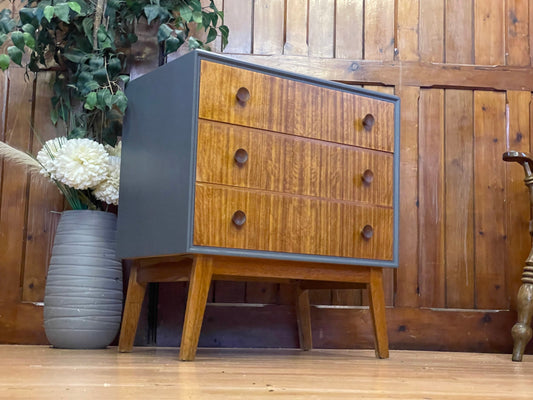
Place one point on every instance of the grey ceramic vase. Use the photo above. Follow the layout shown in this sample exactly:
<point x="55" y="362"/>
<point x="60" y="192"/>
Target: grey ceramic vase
<point x="83" y="294"/>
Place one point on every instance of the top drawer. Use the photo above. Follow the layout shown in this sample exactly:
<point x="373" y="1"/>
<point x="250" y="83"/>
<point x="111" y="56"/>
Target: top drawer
<point x="297" y="108"/>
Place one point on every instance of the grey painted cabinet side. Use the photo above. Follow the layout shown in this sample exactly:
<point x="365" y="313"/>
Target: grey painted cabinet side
<point x="158" y="154"/>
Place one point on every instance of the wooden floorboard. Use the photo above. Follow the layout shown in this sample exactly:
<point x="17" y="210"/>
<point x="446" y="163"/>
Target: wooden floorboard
<point x="40" y="372"/>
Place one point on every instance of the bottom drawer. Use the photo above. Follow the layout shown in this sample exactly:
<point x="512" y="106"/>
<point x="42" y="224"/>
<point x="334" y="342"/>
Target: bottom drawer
<point x="253" y="220"/>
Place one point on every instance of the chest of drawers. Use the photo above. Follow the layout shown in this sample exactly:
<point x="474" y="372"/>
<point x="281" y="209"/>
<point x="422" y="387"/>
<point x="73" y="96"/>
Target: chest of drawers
<point x="258" y="171"/>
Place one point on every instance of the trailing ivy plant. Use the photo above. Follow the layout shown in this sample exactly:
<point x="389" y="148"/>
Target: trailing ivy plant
<point x="85" y="43"/>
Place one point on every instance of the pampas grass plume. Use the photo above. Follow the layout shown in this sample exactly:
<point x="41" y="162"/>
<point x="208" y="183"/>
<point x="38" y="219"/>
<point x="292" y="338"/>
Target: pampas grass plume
<point x="19" y="158"/>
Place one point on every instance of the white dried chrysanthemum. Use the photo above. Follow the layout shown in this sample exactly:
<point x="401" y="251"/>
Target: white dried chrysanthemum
<point x="46" y="156"/>
<point x="81" y="163"/>
<point x="114" y="151"/>
<point x="108" y="190"/>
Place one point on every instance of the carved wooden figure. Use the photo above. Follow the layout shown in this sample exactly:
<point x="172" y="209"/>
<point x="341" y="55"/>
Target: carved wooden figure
<point x="522" y="331"/>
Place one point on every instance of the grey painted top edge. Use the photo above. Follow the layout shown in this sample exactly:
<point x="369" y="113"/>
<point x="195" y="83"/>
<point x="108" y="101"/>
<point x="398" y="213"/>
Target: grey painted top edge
<point x="208" y="55"/>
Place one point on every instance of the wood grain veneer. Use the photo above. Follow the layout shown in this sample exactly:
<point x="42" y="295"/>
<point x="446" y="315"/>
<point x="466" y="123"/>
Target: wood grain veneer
<point x="290" y="164"/>
<point x="291" y="224"/>
<point x="293" y="107"/>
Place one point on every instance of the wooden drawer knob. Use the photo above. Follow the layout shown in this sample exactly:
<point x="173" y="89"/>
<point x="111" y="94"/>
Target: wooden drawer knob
<point x="240" y="157"/>
<point x="243" y="95"/>
<point x="367" y="232"/>
<point x="238" y="218"/>
<point x="368" y="176"/>
<point x="368" y="122"/>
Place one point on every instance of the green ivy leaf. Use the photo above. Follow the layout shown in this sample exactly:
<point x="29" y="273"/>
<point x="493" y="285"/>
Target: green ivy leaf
<point x="15" y="54"/>
<point x="28" y="28"/>
<point x="49" y="13"/>
<point x="124" y="78"/>
<point x="62" y="11"/>
<point x="104" y="99"/>
<point x="86" y="83"/>
<point x="4" y="61"/>
<point x="194" y="43"/>
<point x="76" y="56"/>
<point x="100" y="76"/>
<point x="74" y="7"/>
<point x="196" y="5"/>
<point x="54" y="116"/>
<point x="91" y="85"/>
<point x="104" y="41"/>
<point x="224" y="30"/>
<point x="163" y="32"/>
<point x="96" y="61"/>
<point x="3" y="38"/>
<point x="29" y="40"/>
<point x="88" y="24"/>
<point x="18" y="39"/>
<point x="6" y="23"/>
<point x="214" y="18"/>
<point x="185" y="13"/>
<point x="121" y="101"/>
<point x="77" y="133"/>
<point x="152" y="12"/>
<point x="197" y="17"/>
<point x="172" y="44"/>
<point x="90" y="101"/>
<point x="212" y="35"/>
<point x="114" y="67"/>
<point x="27" y="15"/>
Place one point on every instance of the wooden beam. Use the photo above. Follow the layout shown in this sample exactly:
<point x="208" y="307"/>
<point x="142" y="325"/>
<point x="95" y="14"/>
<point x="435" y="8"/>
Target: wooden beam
<point x="402" y="73"/>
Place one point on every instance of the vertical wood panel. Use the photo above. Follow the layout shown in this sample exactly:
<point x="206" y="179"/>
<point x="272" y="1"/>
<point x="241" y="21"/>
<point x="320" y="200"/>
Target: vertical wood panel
<point x="379" y="30"/>
<point x="42" y="198"/>
<point x="238" y="18"/>
<point x="407" y="273"/>
<point x="517" y="210"/>
<point x="349" y="24"/>
<point x="517" y="20"/>
<point x="296" y="28"/>
<point x="431" y="198"/>
<point x="229" y="292"/>
<point x="321" y="28"/>
<point x="14" y="187"/>
<point x="459" y="199"/>
<point x="407" y="30"/>
<point x="431" y="35"/>
<point x="531" y="36"/>
<point x="459" y="32"/>
<point x="348" y="297"/>
<point x="320" y="296"/>
<point x="262" y="292"/>
<point x="489" y="199"/>
<point x="268" y="26"/>
<point x="388" y="273"/>
<point x="489" y="38"/>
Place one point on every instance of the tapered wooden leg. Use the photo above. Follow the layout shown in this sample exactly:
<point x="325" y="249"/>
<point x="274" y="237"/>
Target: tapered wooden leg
<point x="303" y="316"/>
<point x="377" y="310"/>
<point x="200" y="280"/>
<point x="521" y="331"/>
<point x="132" y="311"/>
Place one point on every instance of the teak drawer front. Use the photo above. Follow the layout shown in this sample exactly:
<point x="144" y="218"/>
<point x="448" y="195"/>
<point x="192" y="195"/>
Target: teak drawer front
<point x="292" y="224"/>
<point x="293" y="107"/>
<point x="246" y="157"/>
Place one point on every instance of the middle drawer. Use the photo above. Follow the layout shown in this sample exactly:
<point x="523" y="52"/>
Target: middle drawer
<point x="245" y="157"/>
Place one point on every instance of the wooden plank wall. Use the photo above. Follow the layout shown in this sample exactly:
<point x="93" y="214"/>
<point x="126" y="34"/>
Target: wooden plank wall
<point x="462" y="69"/>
